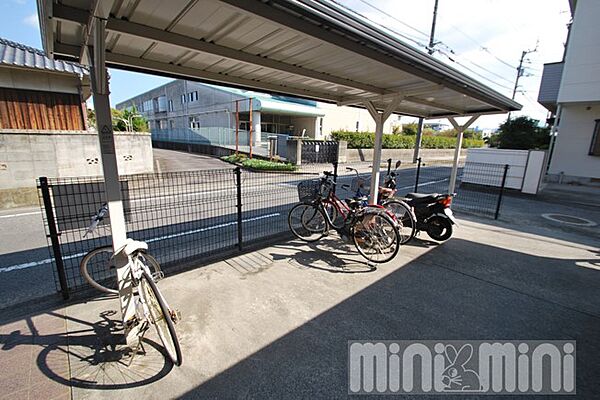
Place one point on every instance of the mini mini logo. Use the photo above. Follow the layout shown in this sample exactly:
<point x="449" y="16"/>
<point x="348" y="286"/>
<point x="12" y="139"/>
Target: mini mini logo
<point x="466" y="367"/>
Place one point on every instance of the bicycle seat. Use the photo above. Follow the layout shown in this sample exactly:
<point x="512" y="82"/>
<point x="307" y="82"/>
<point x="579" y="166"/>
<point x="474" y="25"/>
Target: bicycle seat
<point x="131" y="246"/>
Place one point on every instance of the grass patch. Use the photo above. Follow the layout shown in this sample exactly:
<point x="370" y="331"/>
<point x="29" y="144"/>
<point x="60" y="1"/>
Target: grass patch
<point x="258" y="164"/>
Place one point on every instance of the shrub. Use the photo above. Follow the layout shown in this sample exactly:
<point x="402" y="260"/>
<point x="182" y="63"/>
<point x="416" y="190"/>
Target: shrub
<point x="366" y="140"/>
<point x="258" y="164"/>
<point x="410" y="129"/>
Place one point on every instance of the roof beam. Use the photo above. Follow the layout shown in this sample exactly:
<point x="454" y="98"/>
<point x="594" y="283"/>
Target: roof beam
<point x="74" y="15"/>
<point x="435" y="104"/>
<point x="348" y="101"/>
<point x="151" y="66"/>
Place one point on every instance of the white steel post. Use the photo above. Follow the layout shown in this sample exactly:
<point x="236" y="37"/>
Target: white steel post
<point x="459" y="138"/>
<point x="110" y="170"/>
<point x="380" y="119"/>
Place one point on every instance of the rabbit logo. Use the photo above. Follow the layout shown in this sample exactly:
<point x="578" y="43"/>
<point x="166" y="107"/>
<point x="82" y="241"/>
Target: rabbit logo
<point x="456" y="376"/>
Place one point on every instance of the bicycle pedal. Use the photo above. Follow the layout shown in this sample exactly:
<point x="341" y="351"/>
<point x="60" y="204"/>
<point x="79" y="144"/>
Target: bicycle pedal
<point x="175" y="316"/>
<point x="131" y="322"/>
<point x="157" y="276"/>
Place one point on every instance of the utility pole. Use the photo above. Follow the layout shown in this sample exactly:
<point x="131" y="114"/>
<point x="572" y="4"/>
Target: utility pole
<point x="432" y="34"/>
<point x="521" y="70"/>
<point x="431" y="50"/>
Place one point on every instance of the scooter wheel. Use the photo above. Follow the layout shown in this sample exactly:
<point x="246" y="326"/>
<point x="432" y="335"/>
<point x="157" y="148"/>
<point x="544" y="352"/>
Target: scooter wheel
<point x="439" y="228"/>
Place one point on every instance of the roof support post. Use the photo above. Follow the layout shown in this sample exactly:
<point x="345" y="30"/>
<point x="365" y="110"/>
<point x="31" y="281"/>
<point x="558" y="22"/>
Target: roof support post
<point x="460" y="129"/>
<point x="418" y="139"/>
<point x="380" y="119"/>
<point x="110" y="170"/>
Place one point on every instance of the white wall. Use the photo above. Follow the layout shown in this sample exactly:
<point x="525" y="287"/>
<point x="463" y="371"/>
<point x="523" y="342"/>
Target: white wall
<point x="345" y="118"/>
<point x="575" y="132"/>
<point x="38" y="80"/>
<point x="581" y="74"/>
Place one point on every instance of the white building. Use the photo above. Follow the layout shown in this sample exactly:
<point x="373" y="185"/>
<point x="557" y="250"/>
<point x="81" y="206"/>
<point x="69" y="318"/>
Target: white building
<point x="571" y="90"/>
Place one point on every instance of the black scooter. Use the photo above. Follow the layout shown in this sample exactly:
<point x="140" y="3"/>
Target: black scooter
<point x="432" y="211"/>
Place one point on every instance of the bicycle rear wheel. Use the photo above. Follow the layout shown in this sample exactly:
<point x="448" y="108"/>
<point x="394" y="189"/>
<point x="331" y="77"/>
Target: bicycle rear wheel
<point x="307" y="222"/>
<point x="162" y="318"/>
<point x="376" y="236"/>
<point x="404" y="217"/>
<point x="99" y="271"/>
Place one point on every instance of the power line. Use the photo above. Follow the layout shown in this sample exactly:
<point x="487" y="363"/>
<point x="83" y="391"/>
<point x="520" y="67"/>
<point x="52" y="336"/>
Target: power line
<point x="403" y="35"/>
<point x="482" y="47"/>
<point x="473" y="62"/>
<point x="394" y="18"/>
<point x="431" y="48"/>
<point x="472" y="71"/>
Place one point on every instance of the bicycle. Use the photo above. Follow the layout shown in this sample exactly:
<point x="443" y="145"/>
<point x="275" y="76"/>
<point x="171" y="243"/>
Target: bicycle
<point x="151" y="308"/>
<point x="403" y="213"/>
<point x="373" y="232"/>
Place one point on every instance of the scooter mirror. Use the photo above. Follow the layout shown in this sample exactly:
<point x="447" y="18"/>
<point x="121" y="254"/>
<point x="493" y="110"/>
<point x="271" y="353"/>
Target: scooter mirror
<point x="398" y="163"/>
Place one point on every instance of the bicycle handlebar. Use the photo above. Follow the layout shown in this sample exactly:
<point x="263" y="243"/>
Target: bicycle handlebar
<point x="99" y="216"/>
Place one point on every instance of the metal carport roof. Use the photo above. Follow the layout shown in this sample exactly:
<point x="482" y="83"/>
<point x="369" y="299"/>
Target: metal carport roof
<point x="308" y="48"/>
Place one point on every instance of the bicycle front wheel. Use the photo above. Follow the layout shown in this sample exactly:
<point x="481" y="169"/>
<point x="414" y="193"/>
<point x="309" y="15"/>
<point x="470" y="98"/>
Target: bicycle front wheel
<point x="307" y="222"/>
<point x="404" y="217"/>
<point x="98" y="269"/>
<point x="161" y="317"/>
<point x="376" y="236"/>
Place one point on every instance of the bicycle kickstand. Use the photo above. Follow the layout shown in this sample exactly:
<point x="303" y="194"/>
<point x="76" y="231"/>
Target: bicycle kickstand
<point x="140" y="344"/>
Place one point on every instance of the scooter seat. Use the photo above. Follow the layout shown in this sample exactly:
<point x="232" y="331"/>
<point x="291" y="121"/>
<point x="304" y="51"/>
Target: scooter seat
<point x="422" y="197"/>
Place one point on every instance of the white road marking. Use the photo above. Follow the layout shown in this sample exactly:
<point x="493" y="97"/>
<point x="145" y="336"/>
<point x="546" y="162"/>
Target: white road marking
<point x="424" y="184"/>
<point x="20" y="214"/>
<point x="156" y="239"/>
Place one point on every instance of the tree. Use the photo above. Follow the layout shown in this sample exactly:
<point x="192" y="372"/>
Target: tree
<point x="410" y="129"/>
<point x="128" y="120"/>
<point x="522" y="133"/>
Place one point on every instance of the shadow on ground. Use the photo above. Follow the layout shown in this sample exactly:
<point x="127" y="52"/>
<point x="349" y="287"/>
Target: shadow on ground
<point x="460" y="290"/>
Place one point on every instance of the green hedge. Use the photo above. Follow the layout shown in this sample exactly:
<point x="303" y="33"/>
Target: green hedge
<point x="258" y="164"/>
<point x="366" y="140"/>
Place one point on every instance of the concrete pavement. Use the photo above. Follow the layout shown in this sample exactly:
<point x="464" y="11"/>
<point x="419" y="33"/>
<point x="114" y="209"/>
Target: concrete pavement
<point x="275" y="323"/>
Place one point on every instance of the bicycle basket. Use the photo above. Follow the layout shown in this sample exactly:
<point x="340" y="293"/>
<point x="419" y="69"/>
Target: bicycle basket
<point x="360" y="183"/>
<point x="314" y="189"/>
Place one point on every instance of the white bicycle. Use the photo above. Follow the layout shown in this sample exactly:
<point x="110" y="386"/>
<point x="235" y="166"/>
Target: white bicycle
<point x="151" y="308"/>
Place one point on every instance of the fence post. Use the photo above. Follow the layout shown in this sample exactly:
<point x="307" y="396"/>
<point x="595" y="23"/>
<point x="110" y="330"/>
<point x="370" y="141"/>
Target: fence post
<point x="506" y="166"/>
<point x="238" y="184"/>
<point x="53" y="235"/>
<point x="418" y="173"/>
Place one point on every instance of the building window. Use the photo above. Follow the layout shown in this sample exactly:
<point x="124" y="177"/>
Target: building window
<point x="183" y="98"/>
<point x="161" y="124"/>
<point x="171" y="106"/>
<point x="595" y="146"/>
<point x="195" y="122"/>
<point x="357" y="126"/>
<point x="148" y="106"/>
<point x="193" y="96"/>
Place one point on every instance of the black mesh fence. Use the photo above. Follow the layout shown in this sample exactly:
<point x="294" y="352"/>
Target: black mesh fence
<point x="190" y="216"/>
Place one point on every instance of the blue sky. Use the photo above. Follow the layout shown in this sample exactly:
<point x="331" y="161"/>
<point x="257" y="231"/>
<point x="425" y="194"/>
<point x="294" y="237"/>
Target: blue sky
<point x="484" y="36"/>
<point x="18" y="22"/>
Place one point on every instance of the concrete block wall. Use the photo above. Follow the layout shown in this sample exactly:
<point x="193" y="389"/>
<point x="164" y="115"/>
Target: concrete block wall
<point x="27" y="155"/>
